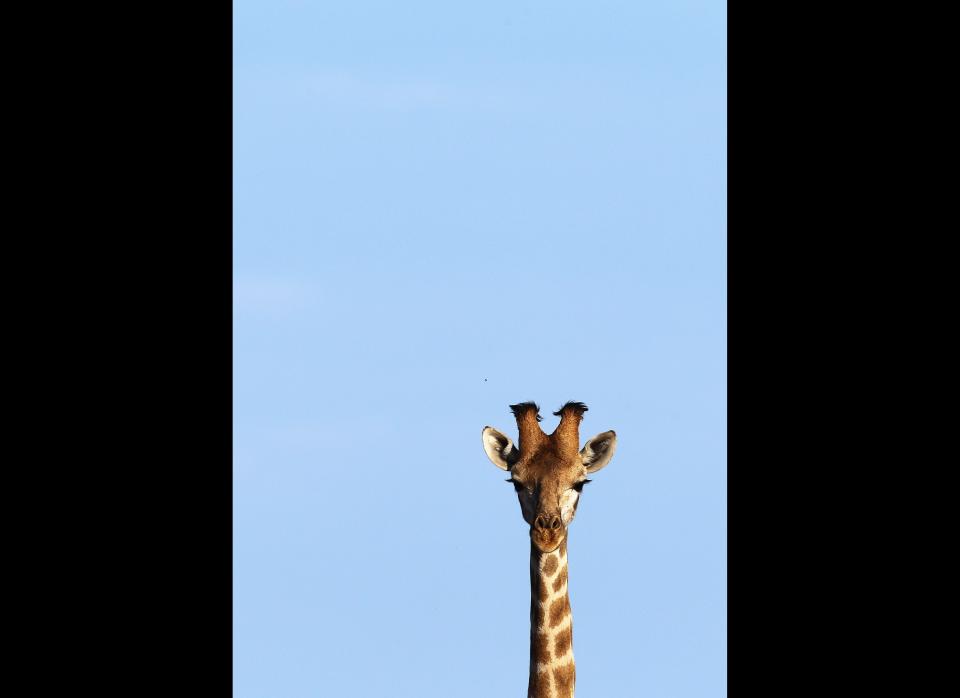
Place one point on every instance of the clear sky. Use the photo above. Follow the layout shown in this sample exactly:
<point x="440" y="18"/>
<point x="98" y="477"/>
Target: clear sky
<point x="440" y="209"/>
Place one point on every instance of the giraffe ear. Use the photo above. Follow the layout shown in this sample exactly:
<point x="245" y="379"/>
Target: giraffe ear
<point x="598" y="451"/>
<point x="500" y="449"/>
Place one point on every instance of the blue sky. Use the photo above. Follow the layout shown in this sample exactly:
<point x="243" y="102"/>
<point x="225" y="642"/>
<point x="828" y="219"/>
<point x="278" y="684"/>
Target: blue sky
<point x="440" y="210"/>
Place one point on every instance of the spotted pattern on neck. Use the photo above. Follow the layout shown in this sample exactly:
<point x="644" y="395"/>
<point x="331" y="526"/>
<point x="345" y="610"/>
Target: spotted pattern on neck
<point x="552" y="669"/>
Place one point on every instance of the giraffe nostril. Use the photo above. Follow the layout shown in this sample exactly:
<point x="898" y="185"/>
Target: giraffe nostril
<point x="545" y="522"/>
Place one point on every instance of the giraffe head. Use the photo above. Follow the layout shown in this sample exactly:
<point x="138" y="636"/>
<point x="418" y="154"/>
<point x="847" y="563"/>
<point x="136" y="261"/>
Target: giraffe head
<point x="548" y="471"/>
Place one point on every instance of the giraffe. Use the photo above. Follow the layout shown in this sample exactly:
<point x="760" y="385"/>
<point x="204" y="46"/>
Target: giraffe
<point x="548" y="474"/>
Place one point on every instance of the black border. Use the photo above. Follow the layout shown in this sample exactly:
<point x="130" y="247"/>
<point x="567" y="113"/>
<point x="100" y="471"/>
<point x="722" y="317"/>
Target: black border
<point x="155" y="568"/>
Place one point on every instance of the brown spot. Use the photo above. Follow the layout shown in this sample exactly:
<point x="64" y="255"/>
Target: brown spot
<point x="563" y="641"/>
<point x="560" y="580"/>
<point x="558" y="611"/>
<point x="550" y="566"/>
<point x="565" y="677"/>
<point x="541" y="648"/>
<point x="539" y="685"/>
<point x="544" y="592"/>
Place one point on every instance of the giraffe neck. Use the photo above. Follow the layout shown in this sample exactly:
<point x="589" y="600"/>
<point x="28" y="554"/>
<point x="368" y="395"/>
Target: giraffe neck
<point x="552" y="671"/>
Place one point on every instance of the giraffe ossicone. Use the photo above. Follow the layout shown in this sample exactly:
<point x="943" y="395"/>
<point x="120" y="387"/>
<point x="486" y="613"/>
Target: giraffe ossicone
<point x="548" y="473"/>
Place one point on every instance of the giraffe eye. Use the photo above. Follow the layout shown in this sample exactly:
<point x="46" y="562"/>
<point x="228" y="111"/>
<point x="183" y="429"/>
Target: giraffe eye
<point x="578" y="486"/>
<point x="516" y="485"/>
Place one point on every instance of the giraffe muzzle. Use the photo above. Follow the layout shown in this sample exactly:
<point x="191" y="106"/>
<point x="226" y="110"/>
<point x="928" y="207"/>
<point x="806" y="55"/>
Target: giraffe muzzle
<point x="547" y="532"/>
